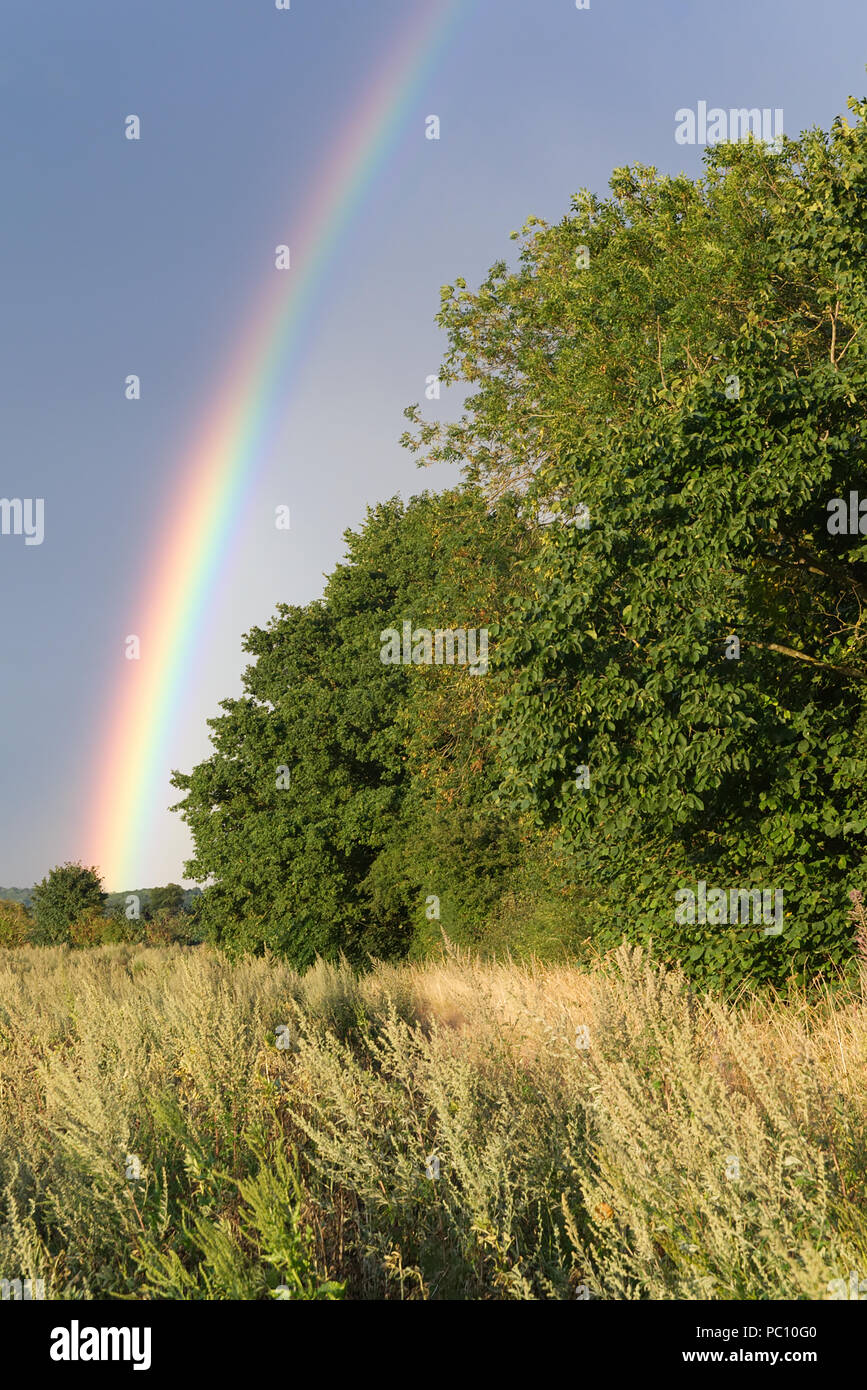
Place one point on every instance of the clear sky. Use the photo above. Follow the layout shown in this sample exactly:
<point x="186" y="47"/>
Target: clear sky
<point x="120" y="257"/>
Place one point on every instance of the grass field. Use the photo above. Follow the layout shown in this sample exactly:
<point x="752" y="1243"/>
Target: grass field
<point x="450" y="1130"/>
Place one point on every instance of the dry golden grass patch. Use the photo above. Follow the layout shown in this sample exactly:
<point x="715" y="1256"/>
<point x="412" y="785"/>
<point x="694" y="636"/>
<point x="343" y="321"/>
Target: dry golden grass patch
<point x="691" y="1149"/>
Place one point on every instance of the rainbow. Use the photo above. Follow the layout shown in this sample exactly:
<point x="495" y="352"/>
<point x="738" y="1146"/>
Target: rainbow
<point x="217" y="470"/>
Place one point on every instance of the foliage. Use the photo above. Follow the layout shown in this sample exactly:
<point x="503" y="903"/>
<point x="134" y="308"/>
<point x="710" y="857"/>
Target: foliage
<point x="242" y="1257"/>
<point x="94" y="928"/>
<point x="667" y="393"/>
<point x="698" y="387"/>
<point x="169" y="899"/>
<point x="183" y="900"/>
<point x="67" y="893"/>
<point x="331" y="854"/>
<point x="164" y="928"/>
<point x="82" y="916"/>
<point x="16" y="924"/>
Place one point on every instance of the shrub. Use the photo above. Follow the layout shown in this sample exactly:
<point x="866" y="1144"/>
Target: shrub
<point x="65" y="895"/>
<point x="16" y="924"/>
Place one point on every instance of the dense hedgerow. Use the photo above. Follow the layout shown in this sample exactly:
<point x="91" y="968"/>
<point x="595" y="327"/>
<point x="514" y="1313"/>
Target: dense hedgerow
<point x="667" y="393"/>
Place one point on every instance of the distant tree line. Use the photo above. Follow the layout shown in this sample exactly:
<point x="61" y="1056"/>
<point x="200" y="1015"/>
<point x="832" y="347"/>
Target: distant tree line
<point x="71" y="907"/>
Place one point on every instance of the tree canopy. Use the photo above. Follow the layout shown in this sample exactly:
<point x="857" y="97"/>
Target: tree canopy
<point x="659" y="526"/>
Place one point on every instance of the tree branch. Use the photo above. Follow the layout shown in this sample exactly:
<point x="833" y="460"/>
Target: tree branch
<point x="852" y="671"/>
<point x="819" y="565"/>
<point x="659" y="352"/>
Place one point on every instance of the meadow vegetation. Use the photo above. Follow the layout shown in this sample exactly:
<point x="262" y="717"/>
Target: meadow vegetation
<point x="603" y="1133"/>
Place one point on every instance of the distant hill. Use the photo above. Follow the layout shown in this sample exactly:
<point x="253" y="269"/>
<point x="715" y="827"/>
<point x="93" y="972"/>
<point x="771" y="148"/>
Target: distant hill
<point x="25" y="896"/>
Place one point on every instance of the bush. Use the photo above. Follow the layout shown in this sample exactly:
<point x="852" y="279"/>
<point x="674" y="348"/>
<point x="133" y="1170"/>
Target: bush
<point x="165" y="928"/>
<point x="68" y="893"/>
<point x="16" y="924"/>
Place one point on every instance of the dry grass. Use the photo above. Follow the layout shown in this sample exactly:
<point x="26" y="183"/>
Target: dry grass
<point x="691" y="1150"/>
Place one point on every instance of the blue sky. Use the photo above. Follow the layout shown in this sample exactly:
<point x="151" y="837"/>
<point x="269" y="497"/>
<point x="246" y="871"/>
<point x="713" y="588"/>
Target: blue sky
<point x="120" y="257"/>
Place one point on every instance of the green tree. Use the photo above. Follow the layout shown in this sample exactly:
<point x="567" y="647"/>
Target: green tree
<point x="343" y="791"/>
<point x="67" y="893"/>
<point x="667" y="392"/>
<point x="699" y="389"/>
<point x="169" y="899"/>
